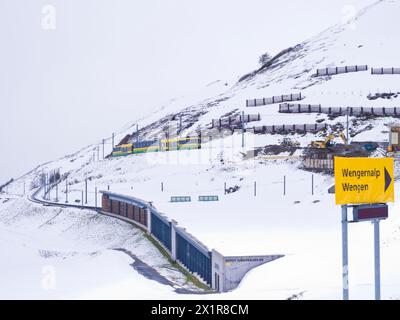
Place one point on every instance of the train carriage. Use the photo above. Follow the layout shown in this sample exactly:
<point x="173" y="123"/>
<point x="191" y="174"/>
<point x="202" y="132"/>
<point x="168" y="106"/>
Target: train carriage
<point x="122" y="150"/>
<point x="146" y="146"/>
<point x="189" y="143"/>
<point x="174" y="144"/>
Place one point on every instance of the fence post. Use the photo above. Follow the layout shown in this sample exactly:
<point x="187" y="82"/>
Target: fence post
<point x="149" y="220"/>
<point x="225" y="188"/>
<point x="284" y="185"/>
<point x="162" y="186"/>
<point x="255" y="188"/>
<point x="173" y="240"/>
<point x="312" y="184"/>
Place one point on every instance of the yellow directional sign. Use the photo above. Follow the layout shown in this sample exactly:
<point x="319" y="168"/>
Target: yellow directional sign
<point x="364" y="180"/>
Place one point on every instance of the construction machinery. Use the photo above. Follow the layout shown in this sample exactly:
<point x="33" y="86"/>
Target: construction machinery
<point x="328" y="142"/>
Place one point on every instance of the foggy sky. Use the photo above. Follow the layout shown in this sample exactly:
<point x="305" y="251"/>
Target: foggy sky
<point x="109" y="62"/>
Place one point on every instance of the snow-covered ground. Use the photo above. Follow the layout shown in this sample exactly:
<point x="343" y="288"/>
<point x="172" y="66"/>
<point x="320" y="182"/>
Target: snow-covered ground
<point x="304" y="227"/>
<point x="54" y="253"/>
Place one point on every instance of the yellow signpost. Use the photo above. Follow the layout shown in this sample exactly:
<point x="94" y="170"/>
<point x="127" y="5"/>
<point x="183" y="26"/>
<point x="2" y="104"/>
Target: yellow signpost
<point x="364" y="180"/>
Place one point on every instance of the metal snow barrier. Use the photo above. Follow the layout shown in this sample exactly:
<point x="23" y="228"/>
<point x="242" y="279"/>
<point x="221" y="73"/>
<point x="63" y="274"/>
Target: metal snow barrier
<point x="274" y="99"/>
<point x="385" y="71"/>
<point x="181" y="199"/>
<point x="289" y="128"/>
<point x="359" y="111"/>
<point x="161" y="229"/>
<point x="235" y="120"/>
<point x="208" y="198"/>
<point x="194" y="256"/>
<point x="330" y="71"/>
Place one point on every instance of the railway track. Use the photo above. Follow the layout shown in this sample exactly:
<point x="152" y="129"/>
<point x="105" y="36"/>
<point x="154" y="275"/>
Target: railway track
<point x="33" y="198"/>
<point x="139" y="265"/>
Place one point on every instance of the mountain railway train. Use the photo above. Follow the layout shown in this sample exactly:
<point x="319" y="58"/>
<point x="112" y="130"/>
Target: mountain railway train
<point x="175" y="144"/>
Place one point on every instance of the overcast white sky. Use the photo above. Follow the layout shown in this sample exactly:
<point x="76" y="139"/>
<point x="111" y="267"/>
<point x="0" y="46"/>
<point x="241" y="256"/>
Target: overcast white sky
<point x="111" y="61"/>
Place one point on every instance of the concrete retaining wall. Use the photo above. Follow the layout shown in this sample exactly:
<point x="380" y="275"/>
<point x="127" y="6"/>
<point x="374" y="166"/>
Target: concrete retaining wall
<point x="224" y="273"/>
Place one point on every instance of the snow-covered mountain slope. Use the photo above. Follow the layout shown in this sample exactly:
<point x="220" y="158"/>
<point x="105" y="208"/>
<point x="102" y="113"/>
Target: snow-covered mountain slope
<point x="305" y="227"/>
<point x="368" y="39"/>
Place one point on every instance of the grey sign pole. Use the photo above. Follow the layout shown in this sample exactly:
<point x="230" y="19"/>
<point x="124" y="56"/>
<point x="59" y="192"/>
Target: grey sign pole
<point x="345" y="254"/>
<point x="377" y="261"/>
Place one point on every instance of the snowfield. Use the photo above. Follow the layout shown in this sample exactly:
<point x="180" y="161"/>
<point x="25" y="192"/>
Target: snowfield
<point x="70" y="253"/>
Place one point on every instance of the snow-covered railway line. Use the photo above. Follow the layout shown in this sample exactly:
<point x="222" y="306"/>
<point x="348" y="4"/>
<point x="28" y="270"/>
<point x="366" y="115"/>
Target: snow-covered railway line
<point x="33" y="198"/>
<point x="139" y="265"/>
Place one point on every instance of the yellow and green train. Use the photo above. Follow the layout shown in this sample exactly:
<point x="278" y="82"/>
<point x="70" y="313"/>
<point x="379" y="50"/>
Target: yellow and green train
<point x="188" y="143"/>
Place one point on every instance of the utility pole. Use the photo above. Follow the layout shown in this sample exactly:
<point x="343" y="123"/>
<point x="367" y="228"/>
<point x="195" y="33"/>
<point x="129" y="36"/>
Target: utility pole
<point x="44" y="185"/>
<point x="98" y="153"/>
<point x="82" y="198"/>
<point x="85" y="191"/>
<point x="113" y="140"/>
<point x="243" y="129"/>
<point x="95" y="197"/>
<point x="103" y="149"/>
<point x="66" y="190"/>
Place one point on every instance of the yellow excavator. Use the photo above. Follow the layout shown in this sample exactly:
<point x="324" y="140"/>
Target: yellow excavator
<point x="327" y="143"/>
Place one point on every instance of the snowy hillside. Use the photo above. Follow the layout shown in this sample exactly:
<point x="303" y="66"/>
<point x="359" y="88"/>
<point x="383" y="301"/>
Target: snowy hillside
<point x="299" y="221"/>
